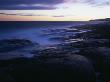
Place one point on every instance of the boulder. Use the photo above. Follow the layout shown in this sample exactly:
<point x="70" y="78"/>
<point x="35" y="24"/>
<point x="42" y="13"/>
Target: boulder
<point x="105" y="68"/>
<point x="13" y="44"/>
<point x="5" y="77"/>
<point x="100" y="58"/>
<point x="71" y="68"/>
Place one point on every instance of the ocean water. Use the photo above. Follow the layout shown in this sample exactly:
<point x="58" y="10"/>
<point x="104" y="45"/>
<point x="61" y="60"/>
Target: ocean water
<point x="35" y="31"/>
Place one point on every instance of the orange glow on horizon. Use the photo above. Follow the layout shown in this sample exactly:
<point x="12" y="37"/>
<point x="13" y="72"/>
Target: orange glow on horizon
<point x="68" y="10"/>
<point x="39" y="18"/>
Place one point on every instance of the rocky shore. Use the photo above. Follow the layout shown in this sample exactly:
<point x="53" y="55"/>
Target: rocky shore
<point x="84" y="57"/>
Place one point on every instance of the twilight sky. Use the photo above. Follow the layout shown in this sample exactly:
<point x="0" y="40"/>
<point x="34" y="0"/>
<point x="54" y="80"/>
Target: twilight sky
<point x="53" y="10"/>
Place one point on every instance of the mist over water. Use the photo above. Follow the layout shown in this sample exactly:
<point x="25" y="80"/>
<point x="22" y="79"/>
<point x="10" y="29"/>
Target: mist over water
<point x="34" y="31"/>
<point x="41" y="34"/>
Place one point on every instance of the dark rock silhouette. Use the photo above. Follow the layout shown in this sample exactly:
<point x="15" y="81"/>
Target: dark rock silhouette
<point x="13" y="44"/>
<point x="69" y="68"/>
<point x="5" y="77"/>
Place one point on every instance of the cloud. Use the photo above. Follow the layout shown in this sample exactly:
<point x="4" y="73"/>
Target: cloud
<point x="45" y="4"/>
<point x="58" y="16"/>
<point x="91" y="2"/>
<point x="101" y="2"/>
<point x="11" y="2"/>
<point x="98" y="2"/>
<point x="7" y="14"/>
<point x="21" y="14"/>
<point x="28" y="4"/>
<point x="26" y="7"/>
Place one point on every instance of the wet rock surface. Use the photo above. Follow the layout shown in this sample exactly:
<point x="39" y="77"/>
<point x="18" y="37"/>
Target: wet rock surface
<point x="84" y="57"/>
<point x="65" y="68"/>
<point x="13" y="44"/>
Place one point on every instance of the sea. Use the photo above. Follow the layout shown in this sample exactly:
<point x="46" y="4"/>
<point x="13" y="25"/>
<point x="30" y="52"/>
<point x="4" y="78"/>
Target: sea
<point x="39" y="32"/>
<point x="36" y="31"/>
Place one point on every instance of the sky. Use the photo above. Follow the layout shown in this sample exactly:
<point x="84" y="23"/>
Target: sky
<point x="54" y="10"/>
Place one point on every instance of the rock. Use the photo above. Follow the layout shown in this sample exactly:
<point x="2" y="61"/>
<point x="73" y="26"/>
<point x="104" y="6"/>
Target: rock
<point x="88" y="35"/>
<point x="74" y="68"/>
<point x="105" y="68"/>
<point x="13" y="44"/>
<point x="100" y="58"/>
<point x="71" y="30"/>
<point x="83" y="43"/>
<point x="93" y="55"/>
<point x="62" y="38"/>
<point x="50" y="53"/>
<point x="5" y="77"/>
<point x="69" y="68"/>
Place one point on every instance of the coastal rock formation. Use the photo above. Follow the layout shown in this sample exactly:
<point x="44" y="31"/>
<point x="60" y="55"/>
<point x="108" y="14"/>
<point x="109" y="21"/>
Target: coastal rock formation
<point x="105" y="66"/>
<point x="69" y="68"/>
<point x="13" y="44"/>
<point x="84" y="57"/>
<point x="73" y="68"/>
<point x="5" y="77"/>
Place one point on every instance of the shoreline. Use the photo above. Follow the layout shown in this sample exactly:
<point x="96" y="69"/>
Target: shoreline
<point x="87" y="59"/>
